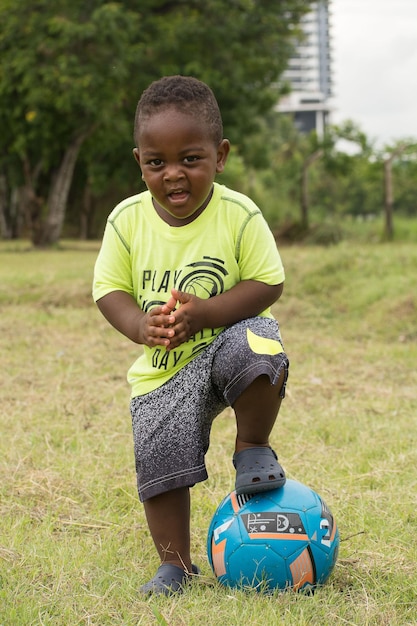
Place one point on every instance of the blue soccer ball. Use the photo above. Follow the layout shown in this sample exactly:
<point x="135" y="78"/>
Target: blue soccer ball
<point x="281" y="539"/>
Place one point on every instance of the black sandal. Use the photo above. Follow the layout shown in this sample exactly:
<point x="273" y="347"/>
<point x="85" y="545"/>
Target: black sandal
<point x="257" y="469"/>
<point x="169" y="579"/>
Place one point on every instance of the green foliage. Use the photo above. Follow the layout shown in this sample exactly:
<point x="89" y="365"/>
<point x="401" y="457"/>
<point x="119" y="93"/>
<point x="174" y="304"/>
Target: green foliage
<point x="405" y="172"/>
<point x="70" y="77"/>
<point x="345" y="177"/>
<point x="71" y="74"/>
<point x="60" y="68"/>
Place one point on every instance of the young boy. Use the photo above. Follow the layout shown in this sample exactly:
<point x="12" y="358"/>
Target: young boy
<point x="190" y="269"/>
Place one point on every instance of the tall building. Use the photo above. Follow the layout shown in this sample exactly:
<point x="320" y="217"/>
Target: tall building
<point x="309" y="73"/>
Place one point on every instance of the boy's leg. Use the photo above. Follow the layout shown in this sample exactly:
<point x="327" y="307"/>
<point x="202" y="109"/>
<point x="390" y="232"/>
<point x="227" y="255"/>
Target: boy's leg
<point x="171" y="428"/>
<point x="251" y="370"/>
<point x="256" y="410"/>
<point x="168" y="517"/>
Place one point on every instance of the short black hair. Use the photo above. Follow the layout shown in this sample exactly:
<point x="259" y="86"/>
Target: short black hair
<point x="188" y="95"/>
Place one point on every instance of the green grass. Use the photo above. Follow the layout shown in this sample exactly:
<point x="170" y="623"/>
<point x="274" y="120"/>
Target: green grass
<point x="74" y="546"/>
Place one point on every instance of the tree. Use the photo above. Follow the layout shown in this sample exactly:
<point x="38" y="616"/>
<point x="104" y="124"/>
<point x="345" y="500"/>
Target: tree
<point x="331" y="149"/>
<point x="389" y="157"/>
<point x="305" y="150"/>
<point x="55" y="93"/>
<point x="71" y="69"/>
<point x="308" y="161"/>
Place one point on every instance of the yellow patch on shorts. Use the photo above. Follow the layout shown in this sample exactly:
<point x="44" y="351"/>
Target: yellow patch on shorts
<point x="261" y="345"/>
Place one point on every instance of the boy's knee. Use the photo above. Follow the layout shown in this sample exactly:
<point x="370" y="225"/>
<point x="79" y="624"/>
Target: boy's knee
<point x="250" y="349"/>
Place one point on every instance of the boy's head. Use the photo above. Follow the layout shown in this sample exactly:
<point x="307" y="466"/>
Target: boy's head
<point x="188" y="95"/>
<point x="180" y="146"/>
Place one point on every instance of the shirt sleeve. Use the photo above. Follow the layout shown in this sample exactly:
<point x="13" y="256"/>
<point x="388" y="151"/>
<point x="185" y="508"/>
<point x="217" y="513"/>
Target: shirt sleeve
<point x="113" y="269"/>
<point x="258" y="255"/>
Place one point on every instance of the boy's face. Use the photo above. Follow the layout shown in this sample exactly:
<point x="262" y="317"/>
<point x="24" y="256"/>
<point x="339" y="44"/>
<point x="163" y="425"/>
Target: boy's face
<point x="179" y="161"/>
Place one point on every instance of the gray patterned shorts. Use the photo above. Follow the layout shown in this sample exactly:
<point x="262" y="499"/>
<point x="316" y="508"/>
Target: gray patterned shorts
<point x="172" y="424"/>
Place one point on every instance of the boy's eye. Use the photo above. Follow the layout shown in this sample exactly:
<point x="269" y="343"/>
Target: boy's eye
<point x="192" y="158"/>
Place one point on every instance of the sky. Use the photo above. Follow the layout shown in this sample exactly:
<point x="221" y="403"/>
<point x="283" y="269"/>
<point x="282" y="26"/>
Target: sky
<point x="374" y="66"/>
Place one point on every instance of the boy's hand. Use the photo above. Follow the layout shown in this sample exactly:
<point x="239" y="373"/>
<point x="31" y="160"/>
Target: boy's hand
<point x="156" y="327"/>
<point x="188" y="316"/>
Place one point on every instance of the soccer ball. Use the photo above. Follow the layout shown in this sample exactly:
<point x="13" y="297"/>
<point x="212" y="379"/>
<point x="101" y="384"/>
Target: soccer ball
<point x="286" y="538"/>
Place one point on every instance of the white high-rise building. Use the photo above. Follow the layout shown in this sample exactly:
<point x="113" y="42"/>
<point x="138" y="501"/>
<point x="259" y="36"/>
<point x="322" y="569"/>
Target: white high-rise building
<point x="309" y="73"/>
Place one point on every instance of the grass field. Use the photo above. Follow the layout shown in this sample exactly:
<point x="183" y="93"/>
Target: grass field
<point x="74" y="547"/>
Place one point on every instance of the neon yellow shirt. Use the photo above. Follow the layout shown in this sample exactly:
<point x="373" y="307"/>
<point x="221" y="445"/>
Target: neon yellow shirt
<point x="141" y="254"/>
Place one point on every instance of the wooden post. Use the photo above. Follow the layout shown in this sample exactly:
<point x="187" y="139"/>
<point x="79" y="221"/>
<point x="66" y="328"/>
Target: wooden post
<point x="388" y="191"/>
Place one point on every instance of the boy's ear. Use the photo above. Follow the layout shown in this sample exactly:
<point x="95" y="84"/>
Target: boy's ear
<point x="136" y="155"/>
<point x="222" y="154"/>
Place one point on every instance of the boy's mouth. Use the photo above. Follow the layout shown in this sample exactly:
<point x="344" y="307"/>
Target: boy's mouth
<point x="178" y="196"/>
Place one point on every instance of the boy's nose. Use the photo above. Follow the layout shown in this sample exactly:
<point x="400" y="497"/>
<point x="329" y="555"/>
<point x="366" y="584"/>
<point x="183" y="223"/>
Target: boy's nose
<point x="173" y="172"/>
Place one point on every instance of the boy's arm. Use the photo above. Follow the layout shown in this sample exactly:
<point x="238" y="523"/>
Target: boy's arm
<point x="123" y="312"/>
<point x="162" y="326"/>
<point x="246" y="299"/>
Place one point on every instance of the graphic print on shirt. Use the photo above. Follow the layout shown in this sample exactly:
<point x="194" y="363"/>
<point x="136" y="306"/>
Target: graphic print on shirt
<point x="203" y="279"/>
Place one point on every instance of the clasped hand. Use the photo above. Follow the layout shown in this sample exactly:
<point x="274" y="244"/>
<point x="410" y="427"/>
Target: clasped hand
<point x="173" y="323"/>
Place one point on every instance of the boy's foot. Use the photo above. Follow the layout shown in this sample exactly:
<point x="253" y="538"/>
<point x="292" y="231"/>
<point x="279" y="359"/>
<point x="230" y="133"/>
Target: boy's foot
<point x="168" y="579"/>
<point x="257" y="469"/>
